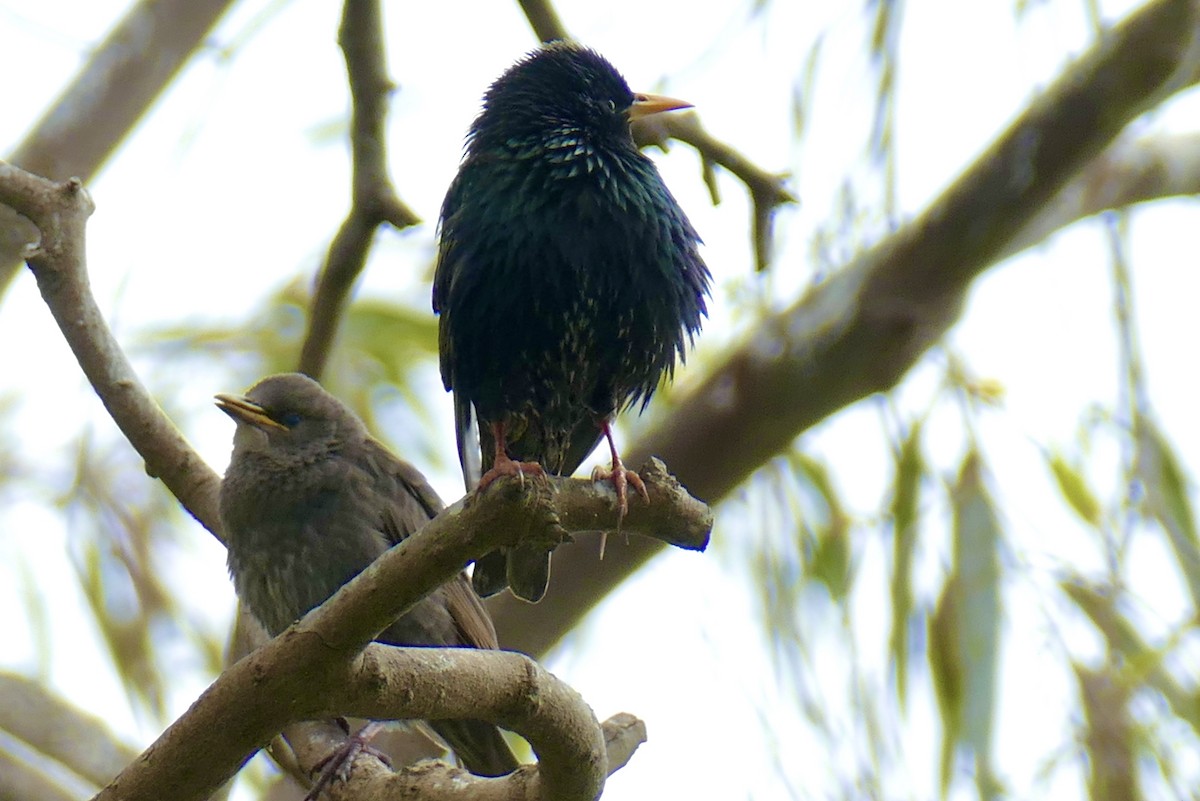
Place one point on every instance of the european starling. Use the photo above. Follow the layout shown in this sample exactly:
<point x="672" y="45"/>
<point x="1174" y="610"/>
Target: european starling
<point x="568" y="280"/>
<point x="309" y="501"/>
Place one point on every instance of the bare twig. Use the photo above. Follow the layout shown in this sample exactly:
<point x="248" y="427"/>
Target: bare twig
<point x="544" y="20"/>
<point x="105" y="100"/>
<point x="374" y="200"/>
<point x="60" y="212"/>
<point x="768" y="191"/>
<point x="860" y="331"/>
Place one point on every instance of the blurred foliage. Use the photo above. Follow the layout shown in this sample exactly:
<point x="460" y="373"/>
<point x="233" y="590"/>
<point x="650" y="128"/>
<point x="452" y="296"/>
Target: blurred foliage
<point x="814" y="560"/>
<point x="964" y="636"/>
<point x="379" y="346"/>
<point x="905" y="510"/>
<point x="124" y="533"/>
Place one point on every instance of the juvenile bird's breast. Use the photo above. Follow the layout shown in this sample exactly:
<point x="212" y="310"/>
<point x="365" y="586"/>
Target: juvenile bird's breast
<point x="295" y="537"/>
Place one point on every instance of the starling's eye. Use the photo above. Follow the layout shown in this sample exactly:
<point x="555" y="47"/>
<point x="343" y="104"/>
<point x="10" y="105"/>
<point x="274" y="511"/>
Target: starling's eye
<point x="612" y="105"/>
<point x="291" y="419"/>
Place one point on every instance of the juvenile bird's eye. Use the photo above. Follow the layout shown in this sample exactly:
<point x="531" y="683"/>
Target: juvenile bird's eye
<point x="291" y="419"/>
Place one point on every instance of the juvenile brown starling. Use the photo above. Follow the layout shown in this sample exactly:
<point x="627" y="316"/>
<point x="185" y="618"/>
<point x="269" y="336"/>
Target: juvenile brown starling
<point x="569" y="281"/>
<point x="309" y="501"/>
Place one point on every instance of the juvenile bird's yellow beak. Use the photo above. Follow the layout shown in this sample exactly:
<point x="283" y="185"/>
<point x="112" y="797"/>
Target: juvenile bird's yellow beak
<point x="247" y="411"/>
<point x="644" y="105"/>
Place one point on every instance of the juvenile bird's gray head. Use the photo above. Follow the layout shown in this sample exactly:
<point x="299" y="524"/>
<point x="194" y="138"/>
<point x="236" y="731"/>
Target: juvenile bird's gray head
<point x="290" y="417"/>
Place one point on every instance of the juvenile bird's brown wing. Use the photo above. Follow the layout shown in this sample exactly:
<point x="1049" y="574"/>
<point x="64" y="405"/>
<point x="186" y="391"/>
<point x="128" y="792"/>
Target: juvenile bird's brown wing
<point x="407" y="503"/>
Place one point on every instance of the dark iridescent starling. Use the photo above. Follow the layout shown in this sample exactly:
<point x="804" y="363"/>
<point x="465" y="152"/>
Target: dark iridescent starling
<point x="569" y="281"/>
<point x="309" y="501"/>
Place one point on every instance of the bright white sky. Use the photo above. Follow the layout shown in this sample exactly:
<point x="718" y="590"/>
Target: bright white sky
<point x="234" y="183"/>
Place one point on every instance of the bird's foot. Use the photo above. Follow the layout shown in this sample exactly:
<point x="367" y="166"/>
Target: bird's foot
<point x="338" y="764"/>
<point x="622" y="478"/>
<point x="510" y="467"/>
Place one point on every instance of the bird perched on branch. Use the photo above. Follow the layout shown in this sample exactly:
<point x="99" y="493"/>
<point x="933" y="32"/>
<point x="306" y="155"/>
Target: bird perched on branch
<point x="568" y="281"/>
<point x="309" y="501"/>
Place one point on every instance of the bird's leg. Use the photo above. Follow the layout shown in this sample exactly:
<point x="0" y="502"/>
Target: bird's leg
<point x="503" y="465"/>
<point x="621" y="478"/>
<point x="338" y="764"/>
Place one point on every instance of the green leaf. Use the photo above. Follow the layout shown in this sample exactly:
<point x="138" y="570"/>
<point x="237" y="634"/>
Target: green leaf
<point x="965" y="629"/>
<point x="1075" y="490"/>
<point x="1167" y="500"/>
<point x="909" y="470"/>
<point x="946" y="668"/>
<point x="831" y="562"/>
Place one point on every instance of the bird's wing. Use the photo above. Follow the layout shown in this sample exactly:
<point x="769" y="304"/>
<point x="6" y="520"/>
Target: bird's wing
<point x="409" y="501"/>
<point x="473" y="622"/>
<point x="444" y="273"/>
<point x="412" y="502"/>
<point x="470" y="440"/>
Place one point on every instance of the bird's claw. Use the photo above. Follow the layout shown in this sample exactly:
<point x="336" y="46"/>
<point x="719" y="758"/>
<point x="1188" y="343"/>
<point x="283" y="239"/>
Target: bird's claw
<point x="338" y="764"/>
<point x="622" y="478"/>
<point x="510" y="467"/>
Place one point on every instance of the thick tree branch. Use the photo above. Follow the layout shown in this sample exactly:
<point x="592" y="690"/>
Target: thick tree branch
<point x="861" y="330"/>
<point x="108" y="96"/>
<point x="623" y="734"/>
<point x="316" y="669"/>
<point x="506" y="514"/>
<point x="373" y="197"/>
<point x="1129" y="172"/>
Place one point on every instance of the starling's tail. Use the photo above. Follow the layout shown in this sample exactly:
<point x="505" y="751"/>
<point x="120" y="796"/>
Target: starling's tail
<point x="490" y="575"/>
<point x="528" y="572"/>
<point x="478" y="745"/>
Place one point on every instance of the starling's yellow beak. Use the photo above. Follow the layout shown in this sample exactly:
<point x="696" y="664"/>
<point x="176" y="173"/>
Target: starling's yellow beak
<point x="645" y="105"/>
<point x="247" y="411"/>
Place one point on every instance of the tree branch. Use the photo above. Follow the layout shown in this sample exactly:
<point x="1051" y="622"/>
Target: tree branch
<point x="1129" y="172"/>
<point x="860" y="331"/>
<point x="374" y="200"/>
<point x="105" y="100"/>
<point x="317" y="668"/>
<point x="370" y="779"/>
